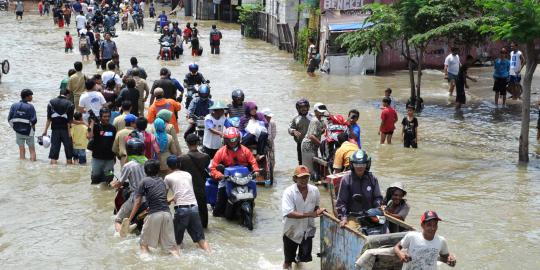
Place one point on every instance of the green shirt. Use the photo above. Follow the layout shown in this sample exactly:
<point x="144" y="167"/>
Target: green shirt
<point x="64" y="83"/>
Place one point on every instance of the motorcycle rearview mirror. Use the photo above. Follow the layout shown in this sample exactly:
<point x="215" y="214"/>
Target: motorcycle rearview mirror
<point x="207" y="81"/>
<point x="357" y="197"/>
<point x="220" y="168"/>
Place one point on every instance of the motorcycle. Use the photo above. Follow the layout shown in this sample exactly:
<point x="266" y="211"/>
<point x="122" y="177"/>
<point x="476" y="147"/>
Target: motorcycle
<point x="5" y="68"/>
<point x="165" y="51"/>
<point x="372" y="221"/>
<point x="3" y="5"/>
<point x="199" y="129"/>
<point x="241" y="193"/>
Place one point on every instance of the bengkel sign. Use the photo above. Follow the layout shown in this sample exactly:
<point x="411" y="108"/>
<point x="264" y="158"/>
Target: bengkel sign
<point x="341" y="4"/>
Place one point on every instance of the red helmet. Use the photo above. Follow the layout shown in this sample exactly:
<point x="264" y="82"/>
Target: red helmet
<point x="338" y="119"/>
<point x="231" y="133"/>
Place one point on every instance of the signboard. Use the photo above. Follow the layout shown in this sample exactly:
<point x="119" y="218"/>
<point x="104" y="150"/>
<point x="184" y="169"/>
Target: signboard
<point x="341" y="4"/>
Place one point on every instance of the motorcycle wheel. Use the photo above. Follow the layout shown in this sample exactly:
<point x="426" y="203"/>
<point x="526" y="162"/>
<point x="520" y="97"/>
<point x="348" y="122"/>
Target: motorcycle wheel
<point x="247" y="215"/>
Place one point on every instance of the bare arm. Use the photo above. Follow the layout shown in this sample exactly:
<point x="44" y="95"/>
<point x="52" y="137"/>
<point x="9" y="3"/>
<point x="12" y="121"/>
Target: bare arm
<point x="403" y="256"/>
<point x="299" y="215"/>
<point x="47" y="124"/>
<point x="136" y="206"/>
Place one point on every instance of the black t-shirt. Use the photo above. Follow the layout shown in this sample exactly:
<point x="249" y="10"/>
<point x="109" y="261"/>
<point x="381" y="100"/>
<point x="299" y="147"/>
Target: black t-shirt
<point x="409" y="127"/>
<point x="60" y="112"/>
<point x="191" y="79"/>
<point x="131" y="94"/>
<point x="155" y="192"/>
<point x="195" y="164"/>
<point x="103" y="141"/>
<point x="169" y="89"/>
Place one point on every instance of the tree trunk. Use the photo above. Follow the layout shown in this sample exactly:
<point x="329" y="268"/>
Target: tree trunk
<point x="419" y="80"/>
<point x="411" y="69"/>
<point x="530" y="55"/>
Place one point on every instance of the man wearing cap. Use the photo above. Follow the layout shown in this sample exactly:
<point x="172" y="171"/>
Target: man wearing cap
<point x="59" y="116"/>
<point x="195" y="163"/>
<point x="119" y="145"/>
<point x="299" y="207"/>
<point x="163" y="103"/>
<point x="424" y="248"/>
<point x="186" y="210"/>
<point x="214" y="125"/>
<point x="312" y="140"/>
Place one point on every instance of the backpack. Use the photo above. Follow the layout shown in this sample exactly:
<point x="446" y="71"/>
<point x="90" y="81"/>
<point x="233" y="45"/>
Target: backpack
<point x="83" y="45"/>
<point x="215" y="36"/>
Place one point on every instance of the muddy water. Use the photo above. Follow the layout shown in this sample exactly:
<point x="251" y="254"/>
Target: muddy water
<point x="465" y="167"/>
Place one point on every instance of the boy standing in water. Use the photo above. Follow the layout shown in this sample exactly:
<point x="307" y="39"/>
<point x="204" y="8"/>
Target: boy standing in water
<point x="68" y="40"/>
<point x="388" y="94"/>
<point x="424" y="248"/>
<point x="388" y="119"/>
<point x="461" y="82"/>
<point x="80" y="141"/>
<point x="409" y="133"/>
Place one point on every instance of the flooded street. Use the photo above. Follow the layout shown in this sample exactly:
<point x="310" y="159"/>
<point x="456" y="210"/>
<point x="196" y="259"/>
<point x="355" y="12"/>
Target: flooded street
<point x="465" y="168"/>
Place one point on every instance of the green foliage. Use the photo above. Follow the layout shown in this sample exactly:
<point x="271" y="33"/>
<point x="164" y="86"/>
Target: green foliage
<point x="517" y="20"/>
<point x="303" y="35"/>
<point x="248" y="18"/>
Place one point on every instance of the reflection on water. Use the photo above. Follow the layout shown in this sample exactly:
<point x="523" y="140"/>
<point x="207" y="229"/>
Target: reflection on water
<point x="465" y="167"/>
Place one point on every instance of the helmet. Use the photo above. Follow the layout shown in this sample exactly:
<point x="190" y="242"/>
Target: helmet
<point x="302" y="102"/>
<point x="204" y="91"/>
<point x="44" y="141"/>
<point x="237" y="94"/>
<point x="338" y="119"/>
<point x="360" y="157"/>
<point x="193" y="67"/>
<point x="135" y="146"/>
<point x="231" y="134"/>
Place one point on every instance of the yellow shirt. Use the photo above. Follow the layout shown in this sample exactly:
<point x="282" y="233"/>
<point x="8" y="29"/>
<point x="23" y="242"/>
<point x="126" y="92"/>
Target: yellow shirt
<point x="344" y="152"/>
<point x="78" y="133"/>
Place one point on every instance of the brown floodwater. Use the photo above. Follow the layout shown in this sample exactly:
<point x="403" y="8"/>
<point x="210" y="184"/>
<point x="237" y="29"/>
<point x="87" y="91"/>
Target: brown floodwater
<point x="465" y="167"/>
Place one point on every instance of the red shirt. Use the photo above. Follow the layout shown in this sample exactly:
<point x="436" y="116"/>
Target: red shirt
<point x="228" y="157"/>
<point x="389" y="118"/>
<point x="69" y="41"/>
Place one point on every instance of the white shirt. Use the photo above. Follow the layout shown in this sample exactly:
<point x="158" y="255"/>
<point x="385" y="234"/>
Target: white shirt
<point x="107" y="75"/>
<point x="515" y="62"/>
<point x="452" y="61"/>
<point x="423" y="253"/>
<point x="92" y="100"/>
<point x="81" y="21"/>
<point x="211" y="140"/>
<point x="84" y="7"/>
<point x="292" y="201"/>
<point x="181" y="185"/>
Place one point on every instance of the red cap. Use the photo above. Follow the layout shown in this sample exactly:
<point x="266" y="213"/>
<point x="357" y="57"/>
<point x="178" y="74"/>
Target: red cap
<point x="429" y="215"/>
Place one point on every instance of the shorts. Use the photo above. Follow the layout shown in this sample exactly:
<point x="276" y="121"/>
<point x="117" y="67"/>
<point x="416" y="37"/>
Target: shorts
<point x="102" y="170"/>
<point x="304" y="250"/>
<point x="125" y="209"/>
<point x="499" y="86"/>
<point x="452" y="77"/>
<point x="158" y="229"/>
<point x="409" y="141"/>
<point x="19" y="13"/>
<point x="188" y="218"/>
<point x="79" y="155"/>
<point x="312" y="66"/>
<point x="387" y="133"/>
<point x="22" y="139"/>
<point x="514" y="79"/>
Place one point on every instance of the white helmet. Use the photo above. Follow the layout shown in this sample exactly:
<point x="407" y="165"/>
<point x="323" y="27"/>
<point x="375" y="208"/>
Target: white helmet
<point x="45" y="141"/>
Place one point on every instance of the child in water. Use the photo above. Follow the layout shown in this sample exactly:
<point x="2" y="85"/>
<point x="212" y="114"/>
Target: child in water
<point x="80" y="141"/>
<point x="68" y="40"/>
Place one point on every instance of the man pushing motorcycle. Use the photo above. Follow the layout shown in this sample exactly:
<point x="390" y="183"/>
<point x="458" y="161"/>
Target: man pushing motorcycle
<point x="230" y="154"/>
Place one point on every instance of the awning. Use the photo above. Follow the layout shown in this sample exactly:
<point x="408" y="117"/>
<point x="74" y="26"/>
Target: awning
<point x="348" y="26"/>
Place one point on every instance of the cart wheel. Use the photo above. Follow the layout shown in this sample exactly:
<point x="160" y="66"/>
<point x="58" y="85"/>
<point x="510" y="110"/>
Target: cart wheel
<point x="5" y="67"/>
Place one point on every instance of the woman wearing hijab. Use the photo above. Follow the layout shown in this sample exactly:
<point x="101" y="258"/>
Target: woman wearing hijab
<point x="253" y="126"/>
<point x="394" y="205"/>
<point x="165" y="142"/>
<point x="166" y="116"/>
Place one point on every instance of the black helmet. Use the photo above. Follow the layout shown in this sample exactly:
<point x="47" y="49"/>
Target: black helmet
<point x="135" y="146"/>
<point x="302" y="102"/>
<point x="237" y="94"/>
<point x="360" y="157"/>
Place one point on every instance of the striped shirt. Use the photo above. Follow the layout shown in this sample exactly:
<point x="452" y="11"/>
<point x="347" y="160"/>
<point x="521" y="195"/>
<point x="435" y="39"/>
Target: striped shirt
<point x="132" y="173"/>
<point x="236" y="111"/>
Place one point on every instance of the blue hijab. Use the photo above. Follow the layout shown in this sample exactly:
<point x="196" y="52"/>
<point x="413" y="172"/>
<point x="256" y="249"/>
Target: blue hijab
<point x="161" y="136"/>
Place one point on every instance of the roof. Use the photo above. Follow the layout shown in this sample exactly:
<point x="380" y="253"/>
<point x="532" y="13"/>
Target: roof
<point x="335" y="27"/>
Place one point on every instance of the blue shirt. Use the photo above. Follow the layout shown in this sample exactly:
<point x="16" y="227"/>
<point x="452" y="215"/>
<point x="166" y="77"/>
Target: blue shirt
<point x="77" y="7"/>
<point x="356" y="130"/>
<point x="199" y="107"/>
<point x="22" y="116"/>
<point x="502" y="68"/>
<point x="162" y="20"/>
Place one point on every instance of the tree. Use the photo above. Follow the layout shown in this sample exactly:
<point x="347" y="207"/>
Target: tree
<point x="415" y="24"/>
<point x="517" y="20"/>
